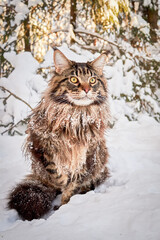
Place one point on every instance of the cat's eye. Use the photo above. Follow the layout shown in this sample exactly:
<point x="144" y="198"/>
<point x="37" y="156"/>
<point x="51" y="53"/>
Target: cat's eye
<point x="74" y="80"/>
<point x="92" y="80"/>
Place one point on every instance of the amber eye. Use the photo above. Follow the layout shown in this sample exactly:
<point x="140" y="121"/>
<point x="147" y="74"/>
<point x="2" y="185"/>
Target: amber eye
<point x="74" y="80"/>
<point x="92" y="80"/>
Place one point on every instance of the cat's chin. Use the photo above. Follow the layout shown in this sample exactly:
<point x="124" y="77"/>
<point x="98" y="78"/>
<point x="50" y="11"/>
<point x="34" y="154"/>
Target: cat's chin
<point x="81" y="102"/>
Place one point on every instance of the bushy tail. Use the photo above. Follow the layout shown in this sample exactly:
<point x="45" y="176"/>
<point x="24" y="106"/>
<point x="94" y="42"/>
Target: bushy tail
<point x="31" y="199"/>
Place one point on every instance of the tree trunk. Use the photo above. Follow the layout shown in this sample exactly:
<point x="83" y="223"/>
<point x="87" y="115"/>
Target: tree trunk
<point x="27" y="34"/>
<point x="151" y="16"/>
<point x="153" y="21"/>
<point x="26" y="23"/>
<point x="73" y="13"/>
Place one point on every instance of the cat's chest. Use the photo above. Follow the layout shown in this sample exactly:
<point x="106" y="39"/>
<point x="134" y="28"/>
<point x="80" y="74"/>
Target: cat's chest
<point x="77" y="123"/>
<point x="71" y="157"/>
<point x="76" y="151"/>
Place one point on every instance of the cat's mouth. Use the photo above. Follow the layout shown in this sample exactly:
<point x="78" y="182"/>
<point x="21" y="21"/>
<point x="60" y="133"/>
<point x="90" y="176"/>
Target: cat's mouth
<point x="84" y="101"/>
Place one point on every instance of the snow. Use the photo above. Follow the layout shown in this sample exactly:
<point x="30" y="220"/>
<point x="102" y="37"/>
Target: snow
<point x="139" y="22"/>
<point x="27" y="84"/>
<point x="146" y="3"/>
<point x="32" y="3"/>
<point x="24" y="82"/>
<point x="127" y="206"/>
<point x="21" y="10"/>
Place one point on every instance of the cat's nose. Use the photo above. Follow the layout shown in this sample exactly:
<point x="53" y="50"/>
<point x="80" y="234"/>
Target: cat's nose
<point x="86" y="90"/>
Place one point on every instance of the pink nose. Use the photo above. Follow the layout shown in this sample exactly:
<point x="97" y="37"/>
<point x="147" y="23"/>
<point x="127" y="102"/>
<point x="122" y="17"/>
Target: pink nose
<point x="86" y="89"/>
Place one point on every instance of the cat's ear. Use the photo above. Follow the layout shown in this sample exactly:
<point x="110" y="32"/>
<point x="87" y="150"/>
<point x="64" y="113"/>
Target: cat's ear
<point x="99" y="63"/>
<point x="61" y="62"/>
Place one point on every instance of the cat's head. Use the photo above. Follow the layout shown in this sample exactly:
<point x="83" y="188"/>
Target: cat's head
<point x="80" y="84"/>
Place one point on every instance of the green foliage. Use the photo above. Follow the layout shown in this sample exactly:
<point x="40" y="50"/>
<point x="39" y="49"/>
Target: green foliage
<point x="136" y="33"/>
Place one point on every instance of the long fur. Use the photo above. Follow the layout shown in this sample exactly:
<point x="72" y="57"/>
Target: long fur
<point x="66" y="144"/>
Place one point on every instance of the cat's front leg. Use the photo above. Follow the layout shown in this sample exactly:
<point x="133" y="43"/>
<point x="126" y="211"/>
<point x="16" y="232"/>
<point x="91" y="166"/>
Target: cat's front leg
<point x="69" y="191"/>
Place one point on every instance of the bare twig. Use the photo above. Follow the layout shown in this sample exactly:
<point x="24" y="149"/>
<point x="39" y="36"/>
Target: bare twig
<point x="59" y="30"/>
<point x="81" y="31"/>
<point x="96" y="35"/>
<point x="14" y="95"/>
<point x="90" y="48"/>
<point x="25" y="120"/>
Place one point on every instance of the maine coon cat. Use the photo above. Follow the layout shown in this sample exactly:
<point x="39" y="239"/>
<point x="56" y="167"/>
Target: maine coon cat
<point x="65" y="137"/>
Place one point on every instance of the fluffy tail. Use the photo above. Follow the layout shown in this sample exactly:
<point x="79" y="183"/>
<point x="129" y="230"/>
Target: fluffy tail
<point x="31" y="199"/>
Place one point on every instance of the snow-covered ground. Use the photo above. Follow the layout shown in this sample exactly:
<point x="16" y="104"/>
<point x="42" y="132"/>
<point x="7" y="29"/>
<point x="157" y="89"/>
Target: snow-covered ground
<point x="126" y="207"/>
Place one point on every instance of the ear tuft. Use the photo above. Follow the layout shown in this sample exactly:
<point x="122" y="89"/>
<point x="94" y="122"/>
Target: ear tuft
<point x="99" y="63"/>
<point x="61" y="62"/>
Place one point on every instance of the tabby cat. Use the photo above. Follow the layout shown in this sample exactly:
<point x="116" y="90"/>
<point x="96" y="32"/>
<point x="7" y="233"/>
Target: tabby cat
<point x="65" y="137"/>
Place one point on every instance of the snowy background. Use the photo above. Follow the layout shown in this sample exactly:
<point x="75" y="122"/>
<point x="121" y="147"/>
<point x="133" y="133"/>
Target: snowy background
<point x="126" y="206"/>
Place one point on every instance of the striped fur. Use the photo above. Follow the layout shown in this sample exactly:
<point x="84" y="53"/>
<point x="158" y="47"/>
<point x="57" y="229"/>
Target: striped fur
<point x="66" y="135"/>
